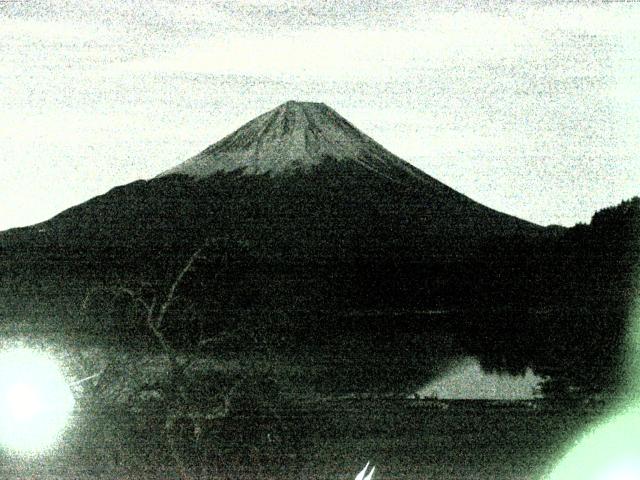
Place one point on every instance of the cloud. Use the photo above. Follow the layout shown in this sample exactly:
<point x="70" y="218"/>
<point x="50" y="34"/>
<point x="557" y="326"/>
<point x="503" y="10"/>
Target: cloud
<point x="279" y="39"/>
<point x="46" y="30"/>
<point x="612" y="18"/>
<point x="338" y="53"/>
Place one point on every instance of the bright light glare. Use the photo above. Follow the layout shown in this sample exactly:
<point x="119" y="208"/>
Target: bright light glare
<point x="23" y="401"/>
<point x="609" y="452"/>
<point x="35" y="400"/>
<point x="623" y="471"/>
<point x="363" y="472"/>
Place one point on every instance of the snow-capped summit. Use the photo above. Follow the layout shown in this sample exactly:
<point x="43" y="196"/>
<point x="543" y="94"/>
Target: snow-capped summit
<point x="293" y="136"/>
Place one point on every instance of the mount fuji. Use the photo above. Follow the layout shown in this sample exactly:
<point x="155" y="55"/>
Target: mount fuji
<point x="327" y="238"/>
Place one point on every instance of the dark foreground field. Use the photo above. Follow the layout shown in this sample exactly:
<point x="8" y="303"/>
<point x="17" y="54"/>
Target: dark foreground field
<point x="326" y="440"/>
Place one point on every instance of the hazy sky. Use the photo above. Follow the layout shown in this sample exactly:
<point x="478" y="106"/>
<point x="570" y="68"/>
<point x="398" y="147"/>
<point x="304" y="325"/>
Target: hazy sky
<point x="531" y="108"/>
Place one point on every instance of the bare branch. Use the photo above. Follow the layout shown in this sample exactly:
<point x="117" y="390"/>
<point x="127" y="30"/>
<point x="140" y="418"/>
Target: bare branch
<point x="207" y="341"/>
<point x="154" y="326"/>
<point x="136" y="297"/>
<point x="87" y="298"/>
<point x="174" y="286"/>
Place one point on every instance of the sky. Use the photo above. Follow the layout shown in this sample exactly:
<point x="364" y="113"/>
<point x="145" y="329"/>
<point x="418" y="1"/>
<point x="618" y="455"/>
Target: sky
<point x="528" y="107"/>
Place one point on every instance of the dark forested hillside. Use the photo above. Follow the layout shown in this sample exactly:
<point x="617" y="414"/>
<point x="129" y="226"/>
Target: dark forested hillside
<point x="575" y="312"/>
<point x="558" y="302"/>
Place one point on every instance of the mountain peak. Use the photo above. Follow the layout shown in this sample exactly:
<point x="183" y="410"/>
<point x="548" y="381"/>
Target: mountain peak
<point x="293" y="136"/>
<point x="297" y="105"/>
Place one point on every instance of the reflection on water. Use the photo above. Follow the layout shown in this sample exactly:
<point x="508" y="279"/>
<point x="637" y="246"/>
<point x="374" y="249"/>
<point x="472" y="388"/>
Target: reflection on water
<point x="467" y="380"/>
<point x="321" y="439"/>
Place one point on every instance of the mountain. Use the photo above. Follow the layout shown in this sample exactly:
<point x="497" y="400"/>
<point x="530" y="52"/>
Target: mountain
<point x="295" y="137"/>
<point x="300" y="163"/>
<point x="318" y="238"/>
